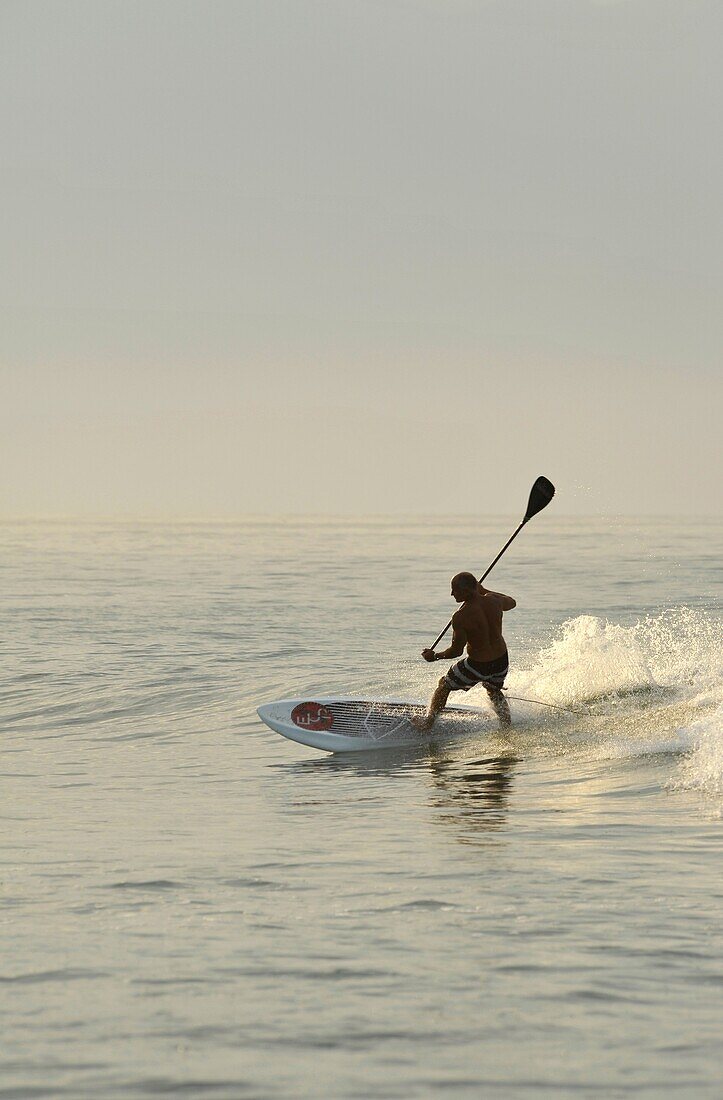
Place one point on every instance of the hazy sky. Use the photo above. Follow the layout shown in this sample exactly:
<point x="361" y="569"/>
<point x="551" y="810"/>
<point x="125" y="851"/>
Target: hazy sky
<point x="360" y="255"/>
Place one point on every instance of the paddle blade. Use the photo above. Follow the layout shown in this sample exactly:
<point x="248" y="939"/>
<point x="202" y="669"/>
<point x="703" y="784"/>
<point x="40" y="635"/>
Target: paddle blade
<point x="542" y="493"/>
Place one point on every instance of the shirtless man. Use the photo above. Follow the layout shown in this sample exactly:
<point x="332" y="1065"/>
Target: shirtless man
<point x="478" y="625"/>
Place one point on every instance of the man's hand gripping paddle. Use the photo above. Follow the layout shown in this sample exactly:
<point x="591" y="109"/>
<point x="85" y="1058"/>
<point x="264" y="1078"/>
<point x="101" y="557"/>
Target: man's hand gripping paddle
<point x="540" y="496"/>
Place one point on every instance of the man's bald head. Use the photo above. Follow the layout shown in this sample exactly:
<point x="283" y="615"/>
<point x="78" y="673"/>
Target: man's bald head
<point x="464" y="584"/>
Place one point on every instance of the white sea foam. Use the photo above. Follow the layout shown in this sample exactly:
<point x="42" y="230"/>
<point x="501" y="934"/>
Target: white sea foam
<point x="655" y="686"/>
<point x="591" y="658"/>
<point x="702" y="767"/>
<point x="594" y="658"/>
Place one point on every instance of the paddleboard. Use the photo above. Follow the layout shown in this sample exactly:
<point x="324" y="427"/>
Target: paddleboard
<point x="341" y="724"/>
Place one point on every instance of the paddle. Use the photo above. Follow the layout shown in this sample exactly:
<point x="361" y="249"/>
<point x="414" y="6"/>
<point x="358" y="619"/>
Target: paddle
<point x="541" y="494"/>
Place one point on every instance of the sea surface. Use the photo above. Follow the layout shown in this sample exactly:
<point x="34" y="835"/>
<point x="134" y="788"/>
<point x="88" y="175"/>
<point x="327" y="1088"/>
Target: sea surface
<point x="193" y="905"/>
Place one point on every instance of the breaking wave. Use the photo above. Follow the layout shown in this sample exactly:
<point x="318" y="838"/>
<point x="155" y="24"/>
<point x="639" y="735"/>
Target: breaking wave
<point x="652" y="687"/>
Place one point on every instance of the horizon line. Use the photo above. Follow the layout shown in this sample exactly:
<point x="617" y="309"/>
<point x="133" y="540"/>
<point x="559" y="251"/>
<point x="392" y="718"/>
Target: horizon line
<point x="237" y="517"/>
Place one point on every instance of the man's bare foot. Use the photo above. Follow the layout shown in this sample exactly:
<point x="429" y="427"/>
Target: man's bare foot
<point x="422" y="724"/>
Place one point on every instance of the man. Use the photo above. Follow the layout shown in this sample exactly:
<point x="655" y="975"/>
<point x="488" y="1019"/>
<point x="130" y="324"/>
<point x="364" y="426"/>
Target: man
<point x="478" y="625"/>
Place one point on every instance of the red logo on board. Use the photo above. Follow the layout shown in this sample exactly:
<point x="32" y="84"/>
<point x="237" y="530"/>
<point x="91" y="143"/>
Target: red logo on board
<point x="312" y="716"/>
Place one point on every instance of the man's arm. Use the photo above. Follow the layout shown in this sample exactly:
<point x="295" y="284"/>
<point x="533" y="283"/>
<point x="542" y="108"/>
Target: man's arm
<point x="459" y="641"/>
<point x="507" y="602"/>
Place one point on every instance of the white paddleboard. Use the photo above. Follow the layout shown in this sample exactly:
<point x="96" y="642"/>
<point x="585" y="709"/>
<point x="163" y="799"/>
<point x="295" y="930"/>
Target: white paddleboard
<point x="341" y="724"/>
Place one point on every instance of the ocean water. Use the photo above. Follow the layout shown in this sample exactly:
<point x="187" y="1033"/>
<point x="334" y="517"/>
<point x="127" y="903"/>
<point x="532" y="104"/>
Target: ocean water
<point x="193" y="905"/>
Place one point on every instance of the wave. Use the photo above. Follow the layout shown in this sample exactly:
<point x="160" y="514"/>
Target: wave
<point x="651" y="687"/>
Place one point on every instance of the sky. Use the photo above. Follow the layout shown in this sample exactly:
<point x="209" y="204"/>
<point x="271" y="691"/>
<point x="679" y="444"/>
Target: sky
<point x="360" y="256"/>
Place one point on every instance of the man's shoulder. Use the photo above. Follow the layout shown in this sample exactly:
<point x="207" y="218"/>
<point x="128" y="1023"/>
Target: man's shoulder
<point x="466" y="614"/>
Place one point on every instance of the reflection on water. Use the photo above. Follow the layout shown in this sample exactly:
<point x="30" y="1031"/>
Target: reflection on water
<point x="472" y="795"/>
<point x="387" y="763"/>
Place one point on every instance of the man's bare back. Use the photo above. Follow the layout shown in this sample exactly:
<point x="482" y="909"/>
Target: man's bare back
<point x="480" y="618"/>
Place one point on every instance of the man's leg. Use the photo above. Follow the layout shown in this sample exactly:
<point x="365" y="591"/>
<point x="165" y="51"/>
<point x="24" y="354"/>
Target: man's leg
<point x="498" y="701"/>
<point x="436" y="703"/>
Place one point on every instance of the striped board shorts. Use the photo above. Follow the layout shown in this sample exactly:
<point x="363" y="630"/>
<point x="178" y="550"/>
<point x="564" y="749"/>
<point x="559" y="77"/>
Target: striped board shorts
<point x="467" y="673"/>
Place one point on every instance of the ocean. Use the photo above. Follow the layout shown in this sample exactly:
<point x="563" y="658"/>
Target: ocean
<point x="192" y="905"/>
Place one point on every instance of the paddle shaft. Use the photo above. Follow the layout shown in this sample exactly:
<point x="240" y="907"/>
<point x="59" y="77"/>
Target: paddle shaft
<point x="487" y="571"/>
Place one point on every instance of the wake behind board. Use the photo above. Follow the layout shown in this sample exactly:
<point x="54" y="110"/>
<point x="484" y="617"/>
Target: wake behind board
<point x="340" y="724"/>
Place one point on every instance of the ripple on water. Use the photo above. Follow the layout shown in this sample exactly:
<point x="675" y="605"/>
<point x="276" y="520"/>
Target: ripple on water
<point x="150" y="884"/>
<point x="69" y="974"/>
<point x="178" y="1086"/>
